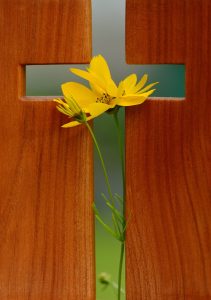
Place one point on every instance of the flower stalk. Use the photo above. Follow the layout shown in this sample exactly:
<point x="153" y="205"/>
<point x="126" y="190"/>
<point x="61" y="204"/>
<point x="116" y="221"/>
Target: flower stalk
<point x="121" y="151"/>
<point x="117" y="217"/>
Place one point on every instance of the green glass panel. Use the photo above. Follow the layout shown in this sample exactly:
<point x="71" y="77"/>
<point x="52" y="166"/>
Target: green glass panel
<point x="46" y="80"/>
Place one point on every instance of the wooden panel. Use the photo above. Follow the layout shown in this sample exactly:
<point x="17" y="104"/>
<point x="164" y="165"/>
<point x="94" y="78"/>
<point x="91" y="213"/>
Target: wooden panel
<point x="168" y="253"/>
<point x="46" y="222"/>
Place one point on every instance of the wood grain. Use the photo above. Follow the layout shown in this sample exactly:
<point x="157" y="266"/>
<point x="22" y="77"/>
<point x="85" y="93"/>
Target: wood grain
<point x="168" y="253"/>
<point x="46" y="186"/>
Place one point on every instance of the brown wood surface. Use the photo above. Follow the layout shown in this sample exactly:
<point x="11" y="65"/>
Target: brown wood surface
<point x="168" y="156"/>
<point x="46" y="222"/>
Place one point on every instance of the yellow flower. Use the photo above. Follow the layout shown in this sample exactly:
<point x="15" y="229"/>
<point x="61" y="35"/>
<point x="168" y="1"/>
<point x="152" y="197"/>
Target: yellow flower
<point x="70" y="107"/>
<point x="104" y="93"/>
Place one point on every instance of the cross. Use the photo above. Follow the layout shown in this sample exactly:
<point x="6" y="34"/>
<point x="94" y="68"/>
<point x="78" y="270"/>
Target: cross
<point x="108" y="39"/>
<point x="108" y="28"/>
<point x="168" y="248"/>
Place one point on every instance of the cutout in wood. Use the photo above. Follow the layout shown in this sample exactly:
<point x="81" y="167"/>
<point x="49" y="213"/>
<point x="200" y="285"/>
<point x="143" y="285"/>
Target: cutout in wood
<point x="45" y="80"/>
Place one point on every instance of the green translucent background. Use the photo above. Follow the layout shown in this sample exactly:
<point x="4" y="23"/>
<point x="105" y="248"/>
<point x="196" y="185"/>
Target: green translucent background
<point x="108" y="39"/>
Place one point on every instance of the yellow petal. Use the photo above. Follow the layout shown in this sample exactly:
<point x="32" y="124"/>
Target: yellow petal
<point x="75" y="123"/>
<point x="81" y="94"/>
<point x="65" y="111"/>
<point x="91" y="77"/>
<point x="141" y="83"/>
<point x="147" y="88"/>
<point x="113" y="102"/>
<point x="111" y="88"/>
<point x="96" y="89"/>
<point x="129" y="83"/>
<point x="58" y="100"/>
<point x="120" y="91"/>
<point x="135" y="99"/>
<point x="99" y="76"/>
<point x="99" y="66"/>
<point x="96" y="109"/>
<point x="71" y="124"/>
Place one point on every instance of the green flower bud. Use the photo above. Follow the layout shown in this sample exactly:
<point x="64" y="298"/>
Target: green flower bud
<point x="104" y="278"/>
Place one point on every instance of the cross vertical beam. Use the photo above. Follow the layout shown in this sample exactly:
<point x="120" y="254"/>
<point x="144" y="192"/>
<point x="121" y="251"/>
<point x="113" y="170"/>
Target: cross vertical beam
<point x="46" y="186"/>
<point x="168" y="252"/>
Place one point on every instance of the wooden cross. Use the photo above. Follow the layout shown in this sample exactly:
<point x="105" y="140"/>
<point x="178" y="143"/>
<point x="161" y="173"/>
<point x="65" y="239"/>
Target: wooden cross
<point x="46" y="248"/>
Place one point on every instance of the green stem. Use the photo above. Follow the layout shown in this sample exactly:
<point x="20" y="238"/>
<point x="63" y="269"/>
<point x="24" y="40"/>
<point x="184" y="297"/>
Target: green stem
<point x="101" y="160"/>
<point x="110" y="192"/>
<point x="121" y="150"/>
<point x="117" y="229"/>
<point x="120" y="269"/>
<point x="115" y="286"/>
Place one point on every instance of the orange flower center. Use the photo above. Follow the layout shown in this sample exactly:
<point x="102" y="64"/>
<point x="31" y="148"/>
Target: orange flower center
<point x="105" y="98"/>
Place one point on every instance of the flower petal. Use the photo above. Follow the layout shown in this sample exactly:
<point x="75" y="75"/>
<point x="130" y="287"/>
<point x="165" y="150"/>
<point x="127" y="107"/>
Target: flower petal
<point x="96" y="89"/>
<point x="99" y="76"/>
<point x="75" y="123"/>
<point x="149" y="86"/>
<point x="96" y="109"/>
<point x="71" y="124"/>
<point x="141" y="83"/>
<point x="135" y="99"/>
<point x="91" y="77"/>
<point x="129" y="83"/>
<point x="99" y="66"/>
<point x="120" y="91"/>
<point x="81" y="94"/>
<point x="111" y="88"/>
<point x="64" y="110"/>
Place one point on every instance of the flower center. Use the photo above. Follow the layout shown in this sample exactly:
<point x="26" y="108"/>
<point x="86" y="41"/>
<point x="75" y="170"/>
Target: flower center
<point x="105" y="98"/>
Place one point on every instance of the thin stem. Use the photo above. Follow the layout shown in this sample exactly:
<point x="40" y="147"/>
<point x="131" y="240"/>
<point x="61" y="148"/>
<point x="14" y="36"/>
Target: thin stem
<point x="120" y="269"/>
<point x="117" y="229"/>
<point x="115" y="286"/>
<point x="101" y="160"/>
<point x="121" y="150"/>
